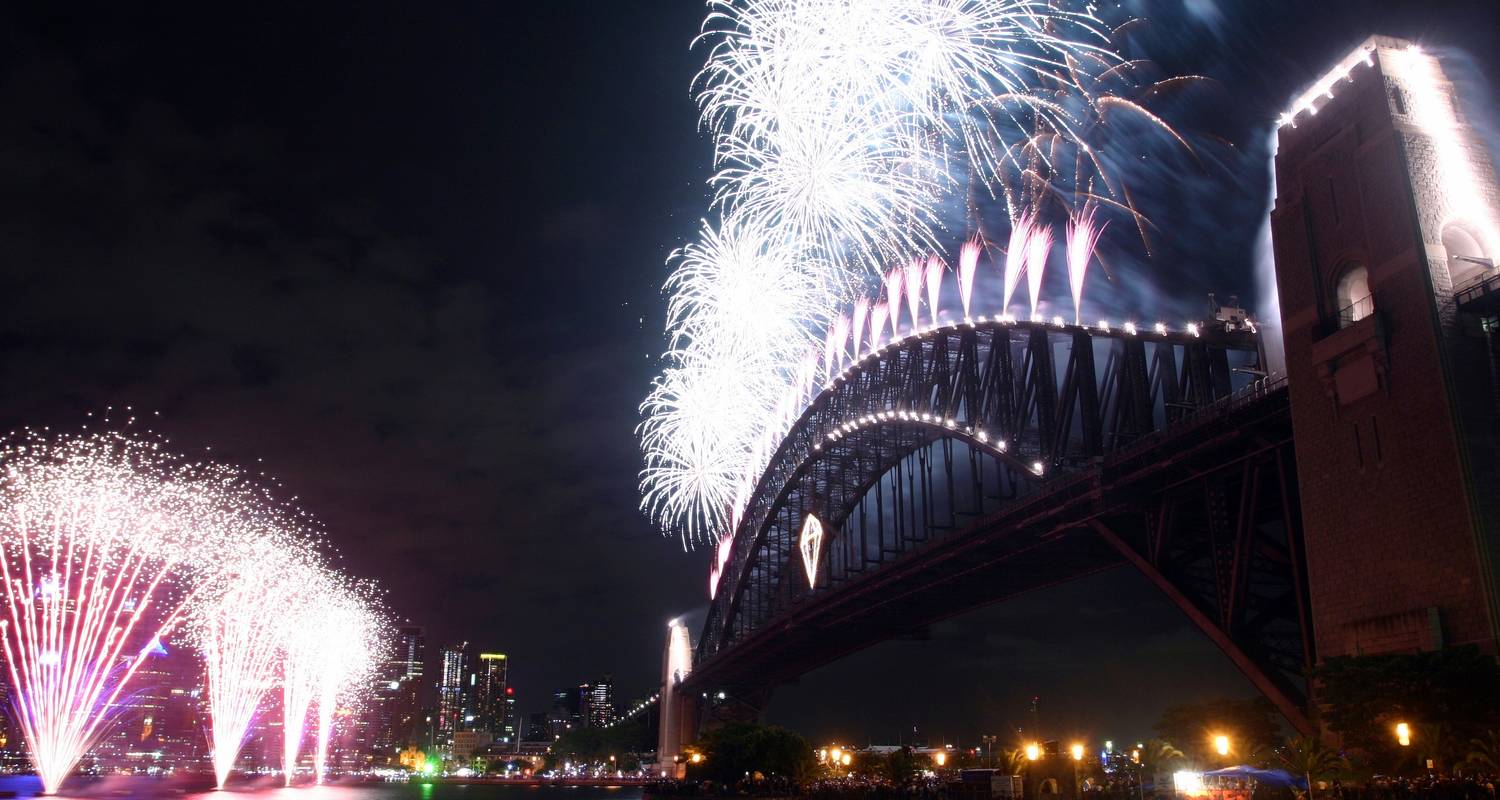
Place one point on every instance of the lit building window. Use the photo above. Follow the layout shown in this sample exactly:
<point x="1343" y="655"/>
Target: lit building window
<point x="1353" y="296"/>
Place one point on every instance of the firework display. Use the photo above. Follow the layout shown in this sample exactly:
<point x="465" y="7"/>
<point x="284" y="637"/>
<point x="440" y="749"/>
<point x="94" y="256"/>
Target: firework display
<point x="109" y="544"/>
<point x="846" y="134"/>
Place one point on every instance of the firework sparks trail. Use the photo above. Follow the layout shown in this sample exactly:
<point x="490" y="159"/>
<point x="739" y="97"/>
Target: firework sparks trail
<point x="303" y="646"/>
<point x="914" y="274"/>
<point x="968" y="264"/>
<point x="106" y="540"/>
<point x="878" y="316"/>
<point x="895" y="281"/>
<point x="1015" y="258"/>
<point x="239" y="632"/>
<point x="351" y="627"/>
<point x="1038" y="247"/>
<point x="861" y="312"/>
<point x="934" y="279"/>
<point x="1082" y="235"/>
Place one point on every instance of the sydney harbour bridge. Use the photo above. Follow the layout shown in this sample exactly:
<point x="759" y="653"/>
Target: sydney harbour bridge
<point x="970" y="463"/>
<point x="980" y="461"/>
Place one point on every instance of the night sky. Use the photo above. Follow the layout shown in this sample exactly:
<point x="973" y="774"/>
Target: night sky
<point x="407" y="258"/>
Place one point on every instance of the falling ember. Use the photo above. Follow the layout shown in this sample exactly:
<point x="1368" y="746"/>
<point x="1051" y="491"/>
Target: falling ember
<point x="934" y="286"/>
<point x="106" y="539"/>
<point x="968" y="263"/>
<point x="1038" y="246"/>
<point x="1015" y="257"/>
<point x="1082" y="235"/>
<point x="894" y="281"/>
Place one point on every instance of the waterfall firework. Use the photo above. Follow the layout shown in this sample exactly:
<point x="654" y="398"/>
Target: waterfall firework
<point x="106" y="541"/>
<point x="240" y="631"/>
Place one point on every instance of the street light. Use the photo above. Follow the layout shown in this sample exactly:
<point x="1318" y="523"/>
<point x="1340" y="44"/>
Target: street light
<point x="1221" y="745"/>
<point x="697" y="758"/>
<point x="1077" y="752"/>
<point x="1403" y="734"/>
<point x="846" y="760"/>
<point x="1033" y="752"/>
<point x="940" y="759"/>
<point x="837" y="755"/>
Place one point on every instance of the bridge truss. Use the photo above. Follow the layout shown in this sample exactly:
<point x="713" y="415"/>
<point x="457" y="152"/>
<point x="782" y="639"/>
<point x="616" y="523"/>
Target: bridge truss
<point x="975" y="462"/>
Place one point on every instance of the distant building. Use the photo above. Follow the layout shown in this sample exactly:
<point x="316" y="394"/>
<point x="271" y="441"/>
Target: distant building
<point x="465" y="743"/>
<point x="537" y="729"/>
<point x="393" y="717"/>
<point x="454" y="679"/>
<point x="600" y="697"/>
<point x="491" y="691"/>
<point x="567" y="710"/>
<point x="158" y="726"/>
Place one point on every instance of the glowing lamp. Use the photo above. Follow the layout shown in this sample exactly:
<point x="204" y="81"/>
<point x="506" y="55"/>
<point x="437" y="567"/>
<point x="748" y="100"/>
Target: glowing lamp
<point x="846" y="760"/>
<point x="1033" y="752"/>
<point x="1403" y="734"/>
<point x="940" y="759"/>
<point x="1077" y="752"/>
<point x="1221" y="745"/>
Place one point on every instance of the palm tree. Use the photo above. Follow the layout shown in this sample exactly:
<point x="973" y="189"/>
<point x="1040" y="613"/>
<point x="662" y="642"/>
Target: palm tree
<point x="1485" y="752"/>
<point x="1309" y="757"/>
<point x="1012" y="761"/>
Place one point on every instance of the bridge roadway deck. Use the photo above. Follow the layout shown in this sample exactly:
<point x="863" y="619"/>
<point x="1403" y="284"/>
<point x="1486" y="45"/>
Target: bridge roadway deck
<point x="1080" y="524"/>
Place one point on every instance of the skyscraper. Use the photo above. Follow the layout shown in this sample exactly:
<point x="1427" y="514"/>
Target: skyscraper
<point x="395" y="704"/>
<point x="454" y="677"/>
<point x="490" y="687"/>
<point x="601" y="702"/>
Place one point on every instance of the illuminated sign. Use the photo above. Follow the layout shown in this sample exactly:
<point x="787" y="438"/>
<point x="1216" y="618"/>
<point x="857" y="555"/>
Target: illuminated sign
<point x="811" y="545"/>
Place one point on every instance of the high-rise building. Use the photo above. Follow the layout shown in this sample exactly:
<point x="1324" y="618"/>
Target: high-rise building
<point x="157" y="725"/>
<point x="536" y="728"/>
<point x="395" y="704"/>
<point x="600" y="697"/>
<point x="454" y="679"/>
<point x="491" y="690"/>
<point x="567" y="711"/>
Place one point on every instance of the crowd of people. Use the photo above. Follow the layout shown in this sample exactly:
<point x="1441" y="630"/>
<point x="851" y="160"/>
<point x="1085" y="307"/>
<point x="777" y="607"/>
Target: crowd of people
<point x="927" y="787"/>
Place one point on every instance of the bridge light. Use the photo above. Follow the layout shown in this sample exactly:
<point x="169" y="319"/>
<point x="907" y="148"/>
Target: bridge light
<point x="983" y="320"/>
<point x="1002" y="445"/>
<point x="1130" y="328"/>
<point x="1057" y="321"/>
<point x="1192" y="328"/>
<point x="1104" y="325"/>
<point x="981" y="436"/>
<point x="950" y="423"/>
<point x="1161" y="327"/>
<point x="1037" y="467"/>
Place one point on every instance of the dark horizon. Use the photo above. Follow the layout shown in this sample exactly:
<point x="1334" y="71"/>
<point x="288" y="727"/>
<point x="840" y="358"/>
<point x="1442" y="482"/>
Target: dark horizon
<point x="411" y="262"/>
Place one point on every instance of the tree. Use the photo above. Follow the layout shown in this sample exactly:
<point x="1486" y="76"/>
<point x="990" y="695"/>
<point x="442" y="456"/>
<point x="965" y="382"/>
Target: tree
<point x="1484" y="752"/>
<point x="1249" y="724"/>
<point x="1363" y="697"/>
<point x="1309" y="757"/>
<point x="732" y="751"/>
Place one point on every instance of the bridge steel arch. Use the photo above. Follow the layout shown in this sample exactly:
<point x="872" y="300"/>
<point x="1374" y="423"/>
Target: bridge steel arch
<point x="974" y="462"/>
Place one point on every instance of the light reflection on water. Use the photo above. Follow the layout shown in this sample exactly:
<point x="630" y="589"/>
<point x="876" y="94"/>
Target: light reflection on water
<point x="148" y="789"/>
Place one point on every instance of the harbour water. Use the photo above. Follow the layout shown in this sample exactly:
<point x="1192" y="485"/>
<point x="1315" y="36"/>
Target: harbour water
<point x="149" y="789"/>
